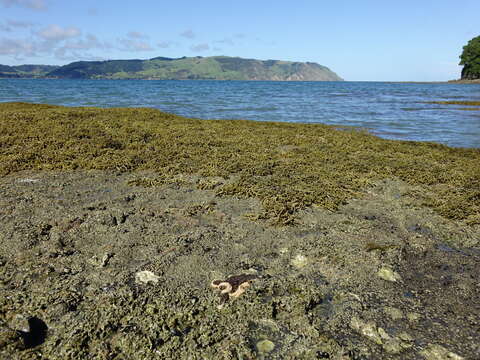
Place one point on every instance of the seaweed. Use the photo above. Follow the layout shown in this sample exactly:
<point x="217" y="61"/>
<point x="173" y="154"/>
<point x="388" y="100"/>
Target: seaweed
<point x="455" y="102"/>
<point x="288" y="167"/>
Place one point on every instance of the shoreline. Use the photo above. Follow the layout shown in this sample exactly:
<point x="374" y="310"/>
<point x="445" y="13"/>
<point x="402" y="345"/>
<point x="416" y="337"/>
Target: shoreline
<point x="456" y="81"/>
<point x="460" y="81"/>
<point x="335" y="243"/>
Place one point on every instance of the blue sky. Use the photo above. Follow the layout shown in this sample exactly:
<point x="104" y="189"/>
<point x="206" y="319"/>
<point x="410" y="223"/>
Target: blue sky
<point x="368" y="40"/>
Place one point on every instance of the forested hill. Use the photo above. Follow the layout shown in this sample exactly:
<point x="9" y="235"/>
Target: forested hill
<point x="195" y="68"/>
<point x="22" y="71"/>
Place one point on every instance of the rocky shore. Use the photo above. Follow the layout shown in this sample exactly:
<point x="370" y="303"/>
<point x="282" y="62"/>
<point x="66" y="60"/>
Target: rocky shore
<point x="140" y="263"/>
<point x="381" y="278"/>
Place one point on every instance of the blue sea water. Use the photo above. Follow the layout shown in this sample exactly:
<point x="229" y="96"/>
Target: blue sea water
<point x="389" y="110"/>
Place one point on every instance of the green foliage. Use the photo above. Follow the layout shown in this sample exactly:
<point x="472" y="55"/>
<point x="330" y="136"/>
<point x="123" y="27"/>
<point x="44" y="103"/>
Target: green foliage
<point x="97" y="69"/>
<point x="35" y="69"/>
<point x="25" y="71"/>
<point x="6" y="68"/>
<point x="286" y="166"/>
<point x="470" y="59"/>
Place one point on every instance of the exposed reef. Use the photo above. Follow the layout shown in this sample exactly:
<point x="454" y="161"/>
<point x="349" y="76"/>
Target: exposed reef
<point x="115" y="224"/>
<point x="288" y="167"/>
<point x="346" y="300"/>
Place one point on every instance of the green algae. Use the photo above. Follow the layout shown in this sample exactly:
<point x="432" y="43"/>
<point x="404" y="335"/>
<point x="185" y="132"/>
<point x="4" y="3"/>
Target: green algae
<point x="372" y="246"/>
<point x="287" y="166"/>
<point x="453" y="102"/>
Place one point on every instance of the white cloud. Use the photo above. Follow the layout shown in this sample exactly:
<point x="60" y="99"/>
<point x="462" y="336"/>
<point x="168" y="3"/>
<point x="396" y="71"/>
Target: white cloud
<point x="75" y="50"/>
<point x="31" y="4"/>
<point x="88" y="43"/>
<point x="69" y="43"/>
<point x="57" y="33"/>
<point x="64" y="43"/>
<point x="17" y="47"/>
<point x="137" y="35"/>
<point x="11" y="25"/>
<point x="65" y="54"/>
<point x="200" y="47"/>
<point x="134" y="45"/>
<point x="19" y="24"/>
<point x="189" y="34"/>
<point x="68" y="55"/>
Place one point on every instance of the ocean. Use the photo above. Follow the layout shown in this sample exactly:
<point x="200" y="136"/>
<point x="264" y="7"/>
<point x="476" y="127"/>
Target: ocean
<point x="389" y="110"/>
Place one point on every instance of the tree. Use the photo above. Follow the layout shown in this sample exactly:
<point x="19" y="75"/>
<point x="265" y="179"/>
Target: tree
<point x="470" y="59"/>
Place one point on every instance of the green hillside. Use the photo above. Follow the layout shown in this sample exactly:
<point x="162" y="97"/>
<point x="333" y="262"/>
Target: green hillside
<point x="25" y="71"/>
<point x="196" y="68"/>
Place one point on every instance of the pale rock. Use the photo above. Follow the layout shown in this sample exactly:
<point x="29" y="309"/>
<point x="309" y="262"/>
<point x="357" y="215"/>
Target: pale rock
<point x="405" y="336"/>
<point x="393" y="313"/>
<point x="105" y="259"/>
<point x="388" y="274"/>
<point x="412" y="317"/>
<point x="20" y="323"/>
<point x="299" y="261"/>
<point x="368" y="329"/>
<point x="283" y="250"/>
<point x="383" y="334"/>
<point x="265" y="346"/>
<point x="144" y="277"/>
<point x="393" y="346"/>
<point x="438" y="352"/>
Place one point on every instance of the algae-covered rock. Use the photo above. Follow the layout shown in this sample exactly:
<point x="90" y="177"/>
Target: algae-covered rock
<point x="394" y="313"/>
<point x="383" y="334"/>
<point x="265" y="346"/>
<point x="10" y="339"/>
<point x="105" y="259"/>
<point x="413" y="317"/>
<point x="328" y="168"/>
<point x="392" y="346"/>
<point x="438" y="352"/>
<point x="335" y="307"/>
<point x="367" y="329"/>
<point x="299" y="261"/>
<point x="388" y="274"/>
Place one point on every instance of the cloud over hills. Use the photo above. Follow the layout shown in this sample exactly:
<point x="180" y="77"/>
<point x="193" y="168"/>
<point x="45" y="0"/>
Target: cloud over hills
<point x="24" y="39"/>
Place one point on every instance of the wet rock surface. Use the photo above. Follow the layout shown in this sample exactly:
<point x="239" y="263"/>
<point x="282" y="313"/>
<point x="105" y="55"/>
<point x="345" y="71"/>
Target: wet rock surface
<point x="382" y="278"/>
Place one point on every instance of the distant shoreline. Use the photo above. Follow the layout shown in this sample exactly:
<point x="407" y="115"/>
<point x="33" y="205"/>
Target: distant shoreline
<point x="459" y="81"/>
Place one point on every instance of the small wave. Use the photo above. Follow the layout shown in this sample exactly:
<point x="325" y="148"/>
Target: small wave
<point x="248" y="109"/>
<point x="380" y="106"/>
<point x="416" y="109"/>
<point x="338" y="94"/>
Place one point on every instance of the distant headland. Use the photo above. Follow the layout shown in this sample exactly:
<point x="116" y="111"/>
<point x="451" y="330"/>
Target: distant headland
<point x="184" y="68"/>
